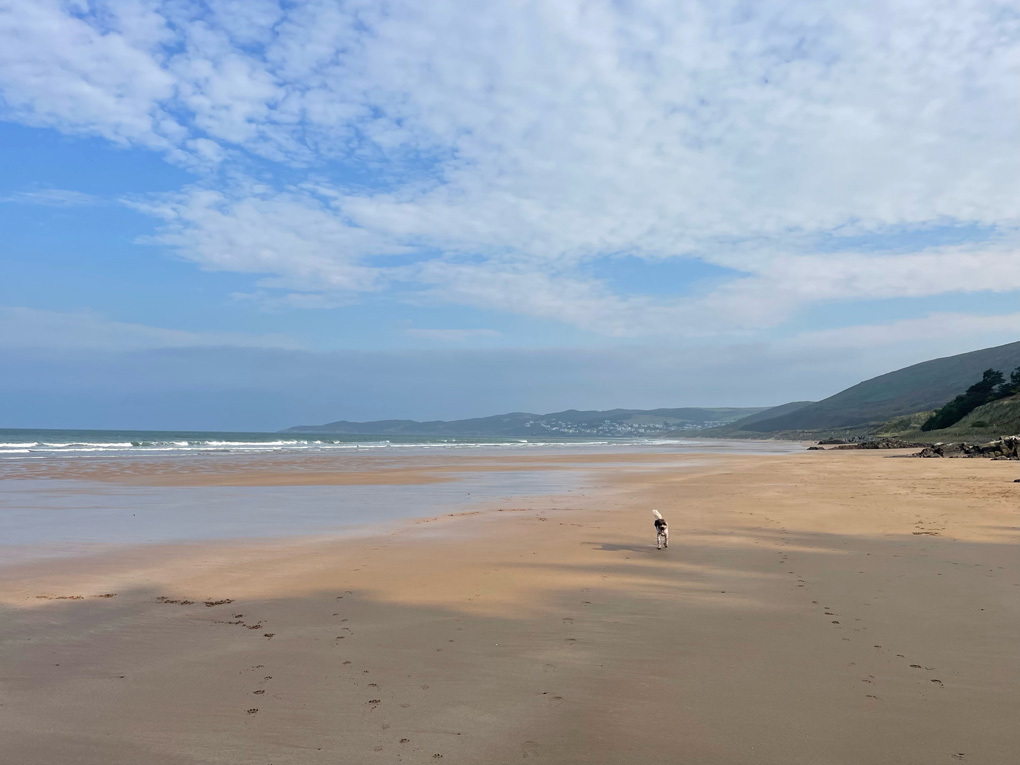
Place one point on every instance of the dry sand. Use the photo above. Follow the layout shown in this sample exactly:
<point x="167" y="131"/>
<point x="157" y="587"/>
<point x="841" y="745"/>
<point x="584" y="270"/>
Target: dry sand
<point x="846" y="607"/>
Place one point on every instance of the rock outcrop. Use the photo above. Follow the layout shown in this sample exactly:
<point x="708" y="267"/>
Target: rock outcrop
<point x="882" y="443"/>
<point x="1007" y="448"/>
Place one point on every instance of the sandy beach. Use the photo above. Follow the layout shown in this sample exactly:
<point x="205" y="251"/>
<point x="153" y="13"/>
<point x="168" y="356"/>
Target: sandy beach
<point x="824" y="607"/>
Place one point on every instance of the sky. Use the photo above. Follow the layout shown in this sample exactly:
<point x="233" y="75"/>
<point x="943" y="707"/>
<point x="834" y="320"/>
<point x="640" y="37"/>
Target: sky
<point x="250" y="214"/>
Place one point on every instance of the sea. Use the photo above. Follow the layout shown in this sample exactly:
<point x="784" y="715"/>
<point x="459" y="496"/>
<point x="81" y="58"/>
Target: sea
<point x="37" y="444"/>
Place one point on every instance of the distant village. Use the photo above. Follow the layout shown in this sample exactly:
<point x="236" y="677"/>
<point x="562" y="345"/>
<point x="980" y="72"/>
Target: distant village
<point x="615" y="429"/>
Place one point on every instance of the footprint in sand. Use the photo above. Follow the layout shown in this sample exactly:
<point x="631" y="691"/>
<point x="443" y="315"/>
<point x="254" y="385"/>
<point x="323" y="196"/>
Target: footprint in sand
<point x="253" y="710"/>
<point x="529" y="749"/>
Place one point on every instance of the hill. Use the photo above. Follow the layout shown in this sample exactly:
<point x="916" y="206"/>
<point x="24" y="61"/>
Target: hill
<point x="919" y="387"/>
<point x="570" y="423"/>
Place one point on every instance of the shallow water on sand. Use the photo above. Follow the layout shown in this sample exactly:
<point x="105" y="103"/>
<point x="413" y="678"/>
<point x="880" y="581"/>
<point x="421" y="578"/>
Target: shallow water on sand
<point x="49" y="517"/>
<point x="60" y="509"/>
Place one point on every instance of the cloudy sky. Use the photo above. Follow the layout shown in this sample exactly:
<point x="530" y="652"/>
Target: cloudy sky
<point x="250" y="213"/>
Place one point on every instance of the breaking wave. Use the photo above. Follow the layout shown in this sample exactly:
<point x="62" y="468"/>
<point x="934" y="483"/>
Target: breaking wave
<point x="38" y="445"/>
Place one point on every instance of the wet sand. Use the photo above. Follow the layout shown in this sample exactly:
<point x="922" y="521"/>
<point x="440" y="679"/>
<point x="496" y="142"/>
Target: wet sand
<point x="827" y="607"/>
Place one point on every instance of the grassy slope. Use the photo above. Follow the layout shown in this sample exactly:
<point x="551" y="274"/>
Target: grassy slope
<point x="999" y="418"/>
<point x="915" y="388"/>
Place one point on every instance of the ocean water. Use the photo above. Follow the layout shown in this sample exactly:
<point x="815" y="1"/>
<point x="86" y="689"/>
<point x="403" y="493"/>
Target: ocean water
<point x="21" y="443"/>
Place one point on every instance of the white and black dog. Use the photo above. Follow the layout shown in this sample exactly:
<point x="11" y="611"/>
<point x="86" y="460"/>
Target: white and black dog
<point x="661" y="530"/>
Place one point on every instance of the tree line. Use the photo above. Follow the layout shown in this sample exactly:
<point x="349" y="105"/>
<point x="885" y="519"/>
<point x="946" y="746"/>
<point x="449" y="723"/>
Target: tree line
<point x="991" y="387"/>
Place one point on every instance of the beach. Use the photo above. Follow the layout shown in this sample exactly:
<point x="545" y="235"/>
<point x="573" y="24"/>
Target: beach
<point x="812" y="607"/>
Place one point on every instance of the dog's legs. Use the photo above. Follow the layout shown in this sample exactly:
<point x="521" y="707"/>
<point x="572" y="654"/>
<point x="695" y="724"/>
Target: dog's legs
<point x="665" y="538"/>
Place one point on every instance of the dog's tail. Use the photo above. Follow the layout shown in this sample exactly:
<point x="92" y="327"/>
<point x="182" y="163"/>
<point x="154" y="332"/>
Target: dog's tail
<point x="657" y="514"/>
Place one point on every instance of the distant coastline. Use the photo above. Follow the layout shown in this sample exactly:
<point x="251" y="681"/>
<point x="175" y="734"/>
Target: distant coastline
<point x="572" y="423"/>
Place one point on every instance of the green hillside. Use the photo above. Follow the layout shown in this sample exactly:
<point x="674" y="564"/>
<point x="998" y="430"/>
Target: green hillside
<point x="923" y="386"/>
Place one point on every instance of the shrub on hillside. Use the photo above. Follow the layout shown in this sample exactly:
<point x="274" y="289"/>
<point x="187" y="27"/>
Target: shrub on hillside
<point x="991" y="387"/>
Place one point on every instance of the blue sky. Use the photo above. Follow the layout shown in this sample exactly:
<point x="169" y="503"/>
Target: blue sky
<point x="443" y="209"/>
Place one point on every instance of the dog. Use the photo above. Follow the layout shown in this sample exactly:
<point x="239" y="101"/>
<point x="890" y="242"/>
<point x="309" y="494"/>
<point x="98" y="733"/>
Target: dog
<point x="661" y="530"/>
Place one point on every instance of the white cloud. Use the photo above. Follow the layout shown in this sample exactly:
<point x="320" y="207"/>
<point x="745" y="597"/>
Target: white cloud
<point x="56" y="69"/>
<point x="31" y="329"/>
<point x="53" y="198"/>
<point x="308" y="242"/>
<point x="513" y="148"/>
<point x="297" y="240"/>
